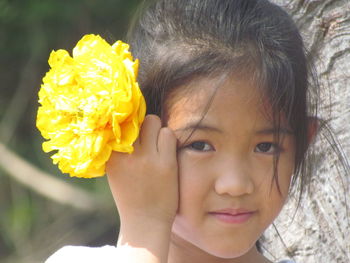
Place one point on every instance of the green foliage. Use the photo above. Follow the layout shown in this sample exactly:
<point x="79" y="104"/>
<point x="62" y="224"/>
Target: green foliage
<point x="29" y="30"/>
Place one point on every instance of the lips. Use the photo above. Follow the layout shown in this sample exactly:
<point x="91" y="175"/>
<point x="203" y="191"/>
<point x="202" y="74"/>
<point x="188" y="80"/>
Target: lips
<point x="232" y="216"/>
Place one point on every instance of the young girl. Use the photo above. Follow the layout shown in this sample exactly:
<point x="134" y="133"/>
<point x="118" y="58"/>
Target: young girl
<point x="226" y="138"/>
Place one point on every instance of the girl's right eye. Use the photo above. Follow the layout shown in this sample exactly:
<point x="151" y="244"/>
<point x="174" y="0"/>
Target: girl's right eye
<point x="200" y="146"/>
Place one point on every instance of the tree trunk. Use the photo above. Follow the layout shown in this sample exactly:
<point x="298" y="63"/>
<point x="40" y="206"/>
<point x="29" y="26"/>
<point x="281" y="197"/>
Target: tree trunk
<point x="319" y="230"/>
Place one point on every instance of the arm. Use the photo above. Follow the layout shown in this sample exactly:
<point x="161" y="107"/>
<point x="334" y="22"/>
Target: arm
<point x="144" y="185"/>
<point x="147" y="244"/>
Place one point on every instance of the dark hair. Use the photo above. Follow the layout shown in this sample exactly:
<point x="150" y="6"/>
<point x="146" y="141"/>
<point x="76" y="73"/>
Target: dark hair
<point x="177" y="40"/>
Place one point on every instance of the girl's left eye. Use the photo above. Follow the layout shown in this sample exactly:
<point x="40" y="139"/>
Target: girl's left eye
<point x="267" y="147"/>
<point x="200" y="146"/>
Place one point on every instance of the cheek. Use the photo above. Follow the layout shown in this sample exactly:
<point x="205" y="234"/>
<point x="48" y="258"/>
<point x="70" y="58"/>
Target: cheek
<point x="190" y="199"/>
<point x="285" y="173"/>
<point x="287" y="166"/>
<point x="276" y="193"/>
<point x="194" y="183"/>
<point x="273" y="193"/>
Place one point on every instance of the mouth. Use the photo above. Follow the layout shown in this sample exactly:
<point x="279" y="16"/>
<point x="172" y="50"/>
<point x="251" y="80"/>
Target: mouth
<point x="232" y="216"/>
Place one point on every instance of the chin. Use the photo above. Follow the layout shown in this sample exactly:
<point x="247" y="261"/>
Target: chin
<point x="229" y="251"/>
<point x="228" y="254"/>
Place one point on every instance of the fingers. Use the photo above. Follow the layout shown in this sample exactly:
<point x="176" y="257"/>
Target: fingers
<point x="167" y="143"/>
<point x="149" y="133"/>
<point x="154" y="138"/>
<point x="137" y="143"/>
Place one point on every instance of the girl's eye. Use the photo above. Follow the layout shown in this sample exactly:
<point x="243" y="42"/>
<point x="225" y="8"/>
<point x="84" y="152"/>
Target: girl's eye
<point x="200" y="146"/>
<point x="267" y="147"/>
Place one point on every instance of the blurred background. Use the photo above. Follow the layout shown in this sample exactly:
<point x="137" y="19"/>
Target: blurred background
<point x="41" y="209"/>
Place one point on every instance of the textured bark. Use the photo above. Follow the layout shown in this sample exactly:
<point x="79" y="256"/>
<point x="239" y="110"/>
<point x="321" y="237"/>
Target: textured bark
<point x="319" y="230"/>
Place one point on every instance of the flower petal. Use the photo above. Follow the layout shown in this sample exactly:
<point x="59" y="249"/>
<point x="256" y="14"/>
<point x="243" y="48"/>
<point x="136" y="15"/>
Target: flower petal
<point x="91" y="104"/>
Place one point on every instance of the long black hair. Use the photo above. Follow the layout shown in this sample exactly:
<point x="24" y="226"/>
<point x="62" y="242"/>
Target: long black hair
<point x="178" y="40"/>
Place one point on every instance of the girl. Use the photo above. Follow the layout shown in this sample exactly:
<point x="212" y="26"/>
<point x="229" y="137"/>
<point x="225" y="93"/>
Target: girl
<point x="226" y="138"/>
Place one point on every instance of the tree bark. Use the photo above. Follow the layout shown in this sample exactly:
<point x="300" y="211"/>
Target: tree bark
<point x="319" y="229"/>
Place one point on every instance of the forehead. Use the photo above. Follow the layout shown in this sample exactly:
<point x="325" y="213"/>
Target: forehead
<point x="218" y="98"/>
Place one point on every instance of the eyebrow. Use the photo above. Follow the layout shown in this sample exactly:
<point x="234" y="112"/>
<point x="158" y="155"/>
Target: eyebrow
<point x="199" y="126"/>
<point x="280" y="130"/>
<point x="202" y="126"/>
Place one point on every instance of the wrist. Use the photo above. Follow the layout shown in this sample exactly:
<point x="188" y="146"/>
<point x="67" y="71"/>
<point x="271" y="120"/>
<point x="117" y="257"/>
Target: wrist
<point x="150" y="236"/>
<point x="139" y="231"/>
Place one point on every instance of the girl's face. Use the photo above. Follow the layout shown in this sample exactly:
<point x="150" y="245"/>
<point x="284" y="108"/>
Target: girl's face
<point x="227" y="193"/>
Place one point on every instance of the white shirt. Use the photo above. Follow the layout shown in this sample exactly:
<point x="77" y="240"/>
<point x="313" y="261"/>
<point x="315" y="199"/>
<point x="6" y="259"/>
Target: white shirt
<point x="77" y="254"/>
<point x="105" y="254"/>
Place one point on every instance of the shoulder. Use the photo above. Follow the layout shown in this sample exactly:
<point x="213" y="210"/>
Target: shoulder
<point x="70" y="254"/>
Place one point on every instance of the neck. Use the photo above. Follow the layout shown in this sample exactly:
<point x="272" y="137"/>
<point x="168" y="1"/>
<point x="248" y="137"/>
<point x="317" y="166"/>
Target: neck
<point x="182" y="251"/>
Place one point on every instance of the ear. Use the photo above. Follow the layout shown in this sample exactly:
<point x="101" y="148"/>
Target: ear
<point x="312" y="129"/>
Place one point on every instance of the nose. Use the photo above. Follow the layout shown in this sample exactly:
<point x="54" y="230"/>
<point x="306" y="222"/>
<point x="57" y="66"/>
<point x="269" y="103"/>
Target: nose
<point x="233" y="178"/>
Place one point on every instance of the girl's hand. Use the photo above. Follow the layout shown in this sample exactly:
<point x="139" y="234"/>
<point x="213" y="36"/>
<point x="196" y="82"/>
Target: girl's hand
<point x="144" y="184"/>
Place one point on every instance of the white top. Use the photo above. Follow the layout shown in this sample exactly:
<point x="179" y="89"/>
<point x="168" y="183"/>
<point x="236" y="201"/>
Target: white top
<point x="76" y="254"/>
<point x="105" y="254"/>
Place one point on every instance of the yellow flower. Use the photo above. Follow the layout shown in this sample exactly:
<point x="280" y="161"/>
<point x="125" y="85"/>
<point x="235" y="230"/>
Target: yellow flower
<point x="91" y="105"/>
